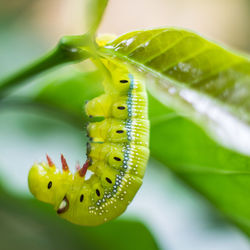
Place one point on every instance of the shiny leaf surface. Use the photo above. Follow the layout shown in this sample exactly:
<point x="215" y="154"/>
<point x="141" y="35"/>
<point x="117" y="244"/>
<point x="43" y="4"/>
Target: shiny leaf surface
<point x="200" y="79"/>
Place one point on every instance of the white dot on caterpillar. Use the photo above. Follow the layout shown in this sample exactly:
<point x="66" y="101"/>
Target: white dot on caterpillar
<point x="105" y="219"/>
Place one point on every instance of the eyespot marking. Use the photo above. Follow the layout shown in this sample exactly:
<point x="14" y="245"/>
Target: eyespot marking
<point x="108" y="180"/>
<point x="117" y="158"/>
<point x="50" y="185"/>
<point x="121" y="107"/>
<point x="123" y="81"/>
<point x="119" y="131"/>
<point x="81" y="198"/>
<point x="97" y="192"/>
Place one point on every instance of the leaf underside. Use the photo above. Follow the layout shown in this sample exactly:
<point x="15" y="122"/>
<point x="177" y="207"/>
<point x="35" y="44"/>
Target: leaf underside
<point x="202" y="80"/>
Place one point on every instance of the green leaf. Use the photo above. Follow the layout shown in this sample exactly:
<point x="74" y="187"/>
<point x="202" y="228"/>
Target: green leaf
<point x="30" y="224"/>
<point x="207" y="83"/>
<point x="221" y="175"/>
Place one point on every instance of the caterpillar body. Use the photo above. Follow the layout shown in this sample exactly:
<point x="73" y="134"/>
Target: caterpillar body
<point x="117" y="155"/>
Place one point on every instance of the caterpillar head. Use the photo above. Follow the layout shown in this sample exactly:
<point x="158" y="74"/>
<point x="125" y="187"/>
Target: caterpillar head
<point x="51" y="186"/>
<point x="48" y="184"/>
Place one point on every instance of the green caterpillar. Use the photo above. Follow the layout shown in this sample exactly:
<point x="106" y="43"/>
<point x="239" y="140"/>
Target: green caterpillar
<point x="117" y="155"/>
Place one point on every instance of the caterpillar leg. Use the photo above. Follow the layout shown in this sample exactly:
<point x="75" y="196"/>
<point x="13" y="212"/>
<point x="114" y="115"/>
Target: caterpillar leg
<point x="99" y="106"/>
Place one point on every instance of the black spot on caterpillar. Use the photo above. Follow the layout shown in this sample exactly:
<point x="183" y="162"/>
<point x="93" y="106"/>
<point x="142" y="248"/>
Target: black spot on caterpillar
<point x="123" y="81"/>
<point x="49" y="185"/>
<point x="108" y="180"/>
<point x="121" y="107"/>
<point x="81" y="198"/>
<point x="97" y="192"/>
<point x="119" y="131"/>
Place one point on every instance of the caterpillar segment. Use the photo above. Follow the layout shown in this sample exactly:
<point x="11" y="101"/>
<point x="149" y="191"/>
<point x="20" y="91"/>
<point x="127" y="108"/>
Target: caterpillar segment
<point x="117" y="154"/>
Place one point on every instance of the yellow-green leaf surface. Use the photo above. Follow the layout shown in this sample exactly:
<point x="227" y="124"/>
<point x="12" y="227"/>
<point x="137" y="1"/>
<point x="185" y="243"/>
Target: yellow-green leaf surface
<point x="200" y="79"/>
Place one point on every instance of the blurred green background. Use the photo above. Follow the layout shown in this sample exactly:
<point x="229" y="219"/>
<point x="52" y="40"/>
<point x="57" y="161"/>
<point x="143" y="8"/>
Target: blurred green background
<point x="46" y="116"/>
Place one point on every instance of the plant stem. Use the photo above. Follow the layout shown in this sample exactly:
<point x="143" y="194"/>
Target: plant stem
<point x="70" y="49"/>
<point x="95" y="13"/>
